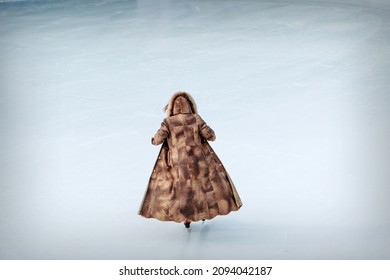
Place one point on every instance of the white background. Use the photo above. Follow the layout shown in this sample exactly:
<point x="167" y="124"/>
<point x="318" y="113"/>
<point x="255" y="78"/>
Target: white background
<point x="297" y="92"/>
<point x="111" y="269"/>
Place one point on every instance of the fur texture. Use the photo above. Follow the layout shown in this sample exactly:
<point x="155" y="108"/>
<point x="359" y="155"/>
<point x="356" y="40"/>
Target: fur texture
<point x="188" y="181"/>
<point x="187" y="96"/>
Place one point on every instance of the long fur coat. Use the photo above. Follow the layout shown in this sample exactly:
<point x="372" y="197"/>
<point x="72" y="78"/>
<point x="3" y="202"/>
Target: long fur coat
<point x="188" y="181"/>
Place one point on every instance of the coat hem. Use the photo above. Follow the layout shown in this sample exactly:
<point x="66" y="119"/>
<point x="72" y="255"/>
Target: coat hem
<point x="206" y="218"/>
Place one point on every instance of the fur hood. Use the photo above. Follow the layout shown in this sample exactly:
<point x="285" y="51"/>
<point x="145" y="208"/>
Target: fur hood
<point x="170" y="106"/>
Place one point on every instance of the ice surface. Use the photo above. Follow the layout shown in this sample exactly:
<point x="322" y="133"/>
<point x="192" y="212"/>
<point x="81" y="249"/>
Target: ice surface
<point x="297" y="92"/>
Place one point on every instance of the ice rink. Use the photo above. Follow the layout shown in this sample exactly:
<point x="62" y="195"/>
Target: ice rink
<point x="297" y="92"/>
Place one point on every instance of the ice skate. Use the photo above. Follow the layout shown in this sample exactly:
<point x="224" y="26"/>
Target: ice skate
<point x="187" y="223"/>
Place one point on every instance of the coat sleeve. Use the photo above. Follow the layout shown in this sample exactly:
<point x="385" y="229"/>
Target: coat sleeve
<point x="161" y="134"/>
<point x="206" y="131"/>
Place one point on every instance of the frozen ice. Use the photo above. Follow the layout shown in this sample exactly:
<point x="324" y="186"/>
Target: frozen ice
<point x="297" y="92"/>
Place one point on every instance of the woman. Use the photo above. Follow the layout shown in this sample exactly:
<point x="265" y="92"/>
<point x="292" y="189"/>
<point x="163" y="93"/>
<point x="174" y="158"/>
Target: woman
<point x="188" y="182"/>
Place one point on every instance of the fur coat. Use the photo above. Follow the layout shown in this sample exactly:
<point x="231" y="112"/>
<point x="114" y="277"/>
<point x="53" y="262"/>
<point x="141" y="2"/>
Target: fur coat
<point x="188" y="181"/>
